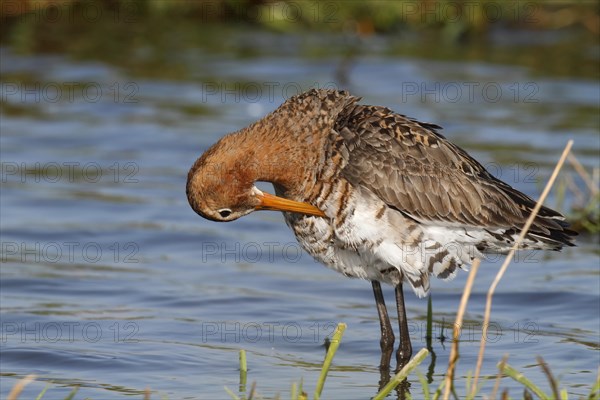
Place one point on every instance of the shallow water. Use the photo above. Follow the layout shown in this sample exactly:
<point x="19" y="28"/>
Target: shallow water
<point x="109" y="280"/>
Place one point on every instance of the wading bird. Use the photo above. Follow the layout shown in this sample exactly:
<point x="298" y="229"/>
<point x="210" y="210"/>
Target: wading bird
<point x="371" y="194"/>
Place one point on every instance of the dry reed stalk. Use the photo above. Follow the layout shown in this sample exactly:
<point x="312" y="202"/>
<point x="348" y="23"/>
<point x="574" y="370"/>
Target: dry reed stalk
<point x="583" y="173"/>
<point x="457" y="326"/>
<point x="509" y="257"/>
<point x="19" y="386"/>
<point x="498" y="377"/>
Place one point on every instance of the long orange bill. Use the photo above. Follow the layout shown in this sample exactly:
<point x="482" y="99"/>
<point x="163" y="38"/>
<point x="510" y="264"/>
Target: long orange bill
<point x="275" y="203"/>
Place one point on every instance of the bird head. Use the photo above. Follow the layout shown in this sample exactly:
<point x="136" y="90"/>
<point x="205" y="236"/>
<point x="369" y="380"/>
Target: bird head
<point x="221" y="187"/>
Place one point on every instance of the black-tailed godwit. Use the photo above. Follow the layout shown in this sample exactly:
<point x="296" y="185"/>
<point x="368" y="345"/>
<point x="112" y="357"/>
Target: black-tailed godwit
<point x="370" y="193"/>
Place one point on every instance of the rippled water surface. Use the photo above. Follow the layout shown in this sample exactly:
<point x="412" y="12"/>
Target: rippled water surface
<point x="110" y="281"/>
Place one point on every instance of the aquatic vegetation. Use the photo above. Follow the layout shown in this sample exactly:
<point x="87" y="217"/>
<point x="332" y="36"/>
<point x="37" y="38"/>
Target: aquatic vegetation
<point x="584" y="212"/>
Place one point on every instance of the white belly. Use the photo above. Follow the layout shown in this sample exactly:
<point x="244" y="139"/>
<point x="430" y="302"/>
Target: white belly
<point x="385" y="247"/>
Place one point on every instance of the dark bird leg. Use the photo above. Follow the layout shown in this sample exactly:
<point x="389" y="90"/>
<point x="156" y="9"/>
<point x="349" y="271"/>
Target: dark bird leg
<point x="405" y="349"/>
<point x="387" y="334"/>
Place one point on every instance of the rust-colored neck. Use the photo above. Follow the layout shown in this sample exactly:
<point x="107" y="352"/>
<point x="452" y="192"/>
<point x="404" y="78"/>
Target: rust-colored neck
<point x="276" y="152"/>
<point x="286" y="147"/>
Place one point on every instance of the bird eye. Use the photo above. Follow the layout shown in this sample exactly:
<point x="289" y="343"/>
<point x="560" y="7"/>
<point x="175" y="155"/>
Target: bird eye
<point x="224" y="212"/>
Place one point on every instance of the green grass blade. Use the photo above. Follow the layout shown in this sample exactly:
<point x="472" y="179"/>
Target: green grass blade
<point x="73" y="393"/>
<point x="468" y="383"/>
<point x="42" y="393"/>
<point x="301" y="395"/>
<point x="400" y="376"/>
<point x="519" y="377"/>
<point x="294" y="391"/>
<point x="243" y="371"/>
<point x="438" y="392"/>
<point x="335" y="343"/>
<point x="424" y="386"/>
<point x="231" y="394"/>
<point x="252" y="391"/>
<point x="595" y="392"/>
